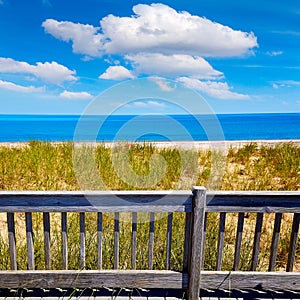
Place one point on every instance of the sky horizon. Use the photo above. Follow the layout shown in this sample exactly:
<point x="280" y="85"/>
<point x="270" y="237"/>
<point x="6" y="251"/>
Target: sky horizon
<point x="57" y="57"/>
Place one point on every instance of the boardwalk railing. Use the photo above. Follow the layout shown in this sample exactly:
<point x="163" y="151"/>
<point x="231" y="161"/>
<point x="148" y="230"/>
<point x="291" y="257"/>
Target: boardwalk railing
<point x="195" y="207"/>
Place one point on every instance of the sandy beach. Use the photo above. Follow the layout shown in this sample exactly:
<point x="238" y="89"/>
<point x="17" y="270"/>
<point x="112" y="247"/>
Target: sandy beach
<point x="178" y="144"/>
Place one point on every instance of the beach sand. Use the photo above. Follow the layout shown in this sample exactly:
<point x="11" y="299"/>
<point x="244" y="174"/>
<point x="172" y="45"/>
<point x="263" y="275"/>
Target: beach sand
<point x="205" y="145"/>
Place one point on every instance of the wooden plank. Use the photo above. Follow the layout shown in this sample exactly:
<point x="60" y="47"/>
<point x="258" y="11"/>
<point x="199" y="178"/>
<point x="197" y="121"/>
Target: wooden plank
<point x="99" y="240"/>
<point x="29" y="239"/>
<point x="204" y="239"/>
<point x="89" y="201"/>
<point x="211" y="280"/>
<point x="82" y="239"/>
<point x="195" y="266"/>
<point x="258" y="281"/>
<point x="93" y="279"/>
<point x="12" y="240"/>
<point x="238" y="242"/>
<point x="262" y="209"/>
<point x="256" y="243"/>
<point x="47" y="241"/>
<point x="151" y="241"/>
<point x="252" y="201"/>
<point x="293" y="243"/>
<point x="133" y="240"/>
<point x="275" y="239"/>
<point x="64" y="237"/>
<point x="221" y="236"/>
<point x="169" y="241"/>
<point x="187" y="240"/>
<point x="134" y="201"/>
<point x="116" y="240"/>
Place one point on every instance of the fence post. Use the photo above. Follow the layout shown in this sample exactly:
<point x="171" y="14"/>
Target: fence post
<point x="195" y="264"/>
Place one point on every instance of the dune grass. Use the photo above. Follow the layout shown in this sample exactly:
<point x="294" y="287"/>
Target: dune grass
<point x="48" y="166"/>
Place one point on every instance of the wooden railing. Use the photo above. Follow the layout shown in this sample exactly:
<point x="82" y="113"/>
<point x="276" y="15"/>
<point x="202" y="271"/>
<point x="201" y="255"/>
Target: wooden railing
<point x="194" y="206"/>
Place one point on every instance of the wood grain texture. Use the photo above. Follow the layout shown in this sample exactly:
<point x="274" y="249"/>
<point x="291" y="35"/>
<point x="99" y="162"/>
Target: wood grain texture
<point x="93" y="279"/>
<point x="238" y="241"/>
<point x="77" y="201"/>
<point x="149" y="279"/>
<point x="133" y="240"/>
<point x="82" y="239"/>
<point x="293" y="243"/>
<point x="64" y="240"/>
<point x="46" y="223"/>
<point x="250" y="280"/>
<point x="99" y="240"/>
<point x="221" y="237"/>
<point x="12" y="240"/>
<point x="169" y="241"/>
<point x="151" y="240"/>
<point x="275" y="239"/>
<point x="116" y="239"/>
<point x="187" y="240"/>
<point x="29" y="240"/>
<point x="256" y="242"/>
<point x="199" y="201"/>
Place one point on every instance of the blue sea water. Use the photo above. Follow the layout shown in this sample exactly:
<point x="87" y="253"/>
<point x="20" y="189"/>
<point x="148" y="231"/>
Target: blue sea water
<point x="20" y="128"/>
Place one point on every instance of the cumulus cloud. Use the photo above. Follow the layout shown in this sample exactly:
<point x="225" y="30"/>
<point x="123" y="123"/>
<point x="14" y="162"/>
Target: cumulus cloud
<point x="155" y="28"/>
<point x="20" y="88"/>
<point x="216" y="89"/>
<point x="162" y="83"/>
<point x="116" y="73"/>
<point x="172" y="65"/>
<point x="159" y="41"/>
<point x="160" y="28"/>
<point x="49" y="72"/>
<point x="84" y="37"/>
<point x="75" y="95"/>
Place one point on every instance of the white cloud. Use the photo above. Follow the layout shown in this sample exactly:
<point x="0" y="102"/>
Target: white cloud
<point x="75" y="95"/>
<point x="154" y="28"/>
<point x="20" y="88"/>
<point x="159" y="28"/>
<point x="219" y="90"/>
<point x="85" y="39"/>
<point x="116" y="73"/>
<point x="162" y="83"/>
<point x="173" y="65"/>
<point x="147" y="104"/>
<point x="49" y="72"/>
<point x="274" y="53"/>
<point x="159" y="41"/>
<point x="286" y="83"/>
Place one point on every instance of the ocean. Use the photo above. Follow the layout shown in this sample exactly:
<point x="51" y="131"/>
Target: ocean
<point x="229" y="127"/>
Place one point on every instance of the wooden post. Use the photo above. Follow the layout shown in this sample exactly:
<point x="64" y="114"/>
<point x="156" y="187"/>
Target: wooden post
<point x="195" y="265"/>
<point x="46" y="221"/>
<point x="12" y="240"/>
<point x="64" y="242"/>
<point x="29" y="238"/>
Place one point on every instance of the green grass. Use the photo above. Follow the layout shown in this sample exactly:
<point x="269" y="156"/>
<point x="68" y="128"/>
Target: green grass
<point x="47" y="166"/>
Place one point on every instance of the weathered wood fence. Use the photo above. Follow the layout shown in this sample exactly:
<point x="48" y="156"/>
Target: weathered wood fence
<point x="194" y="206"/>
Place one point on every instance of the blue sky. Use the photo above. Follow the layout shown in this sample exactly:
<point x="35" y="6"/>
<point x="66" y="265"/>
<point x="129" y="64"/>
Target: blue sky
<point x="56" y="56"/>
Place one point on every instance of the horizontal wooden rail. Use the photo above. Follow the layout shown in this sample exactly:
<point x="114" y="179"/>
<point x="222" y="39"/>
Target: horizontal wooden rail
<point x="69" y="201"/>
<point x="94" y="279"/>
<point x="253" y="201"/>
